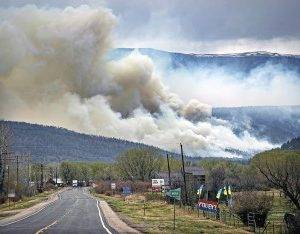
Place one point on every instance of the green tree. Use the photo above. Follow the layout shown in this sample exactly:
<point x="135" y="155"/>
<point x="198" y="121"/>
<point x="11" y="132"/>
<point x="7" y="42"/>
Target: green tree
<point x="67" y="172"/>
<point x="282" y="169"/>
<point x="5" y="143"/>
<point x="138" y="164"/>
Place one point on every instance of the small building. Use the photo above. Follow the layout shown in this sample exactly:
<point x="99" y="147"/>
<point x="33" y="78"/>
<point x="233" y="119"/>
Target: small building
<point x="195" y="176"/>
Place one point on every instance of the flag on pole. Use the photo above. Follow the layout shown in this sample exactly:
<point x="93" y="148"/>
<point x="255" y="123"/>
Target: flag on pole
<point x="219" y="194"/>
<point x="199" y="191"/>
<point x="225" y="191"/>
<point x="229" y="190"/>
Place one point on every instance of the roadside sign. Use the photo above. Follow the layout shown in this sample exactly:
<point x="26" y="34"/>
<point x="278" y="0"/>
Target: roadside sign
<point x="158" y="182"/>
<point x="11" y="195"/>
<point x="113" y="186"/>
<point x="208" y="205"/>
<point x="175" y="193"/>
<point x="126" y="191"/>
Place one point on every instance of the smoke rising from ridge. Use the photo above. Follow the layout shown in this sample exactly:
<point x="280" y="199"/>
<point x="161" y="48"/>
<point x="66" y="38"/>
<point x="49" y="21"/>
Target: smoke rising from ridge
<point x="53" y="71"/>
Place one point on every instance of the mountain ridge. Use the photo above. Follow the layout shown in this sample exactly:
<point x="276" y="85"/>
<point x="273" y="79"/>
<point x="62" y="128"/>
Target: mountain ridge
<point x="241" y="62"/>
<point x="55" y="144"/>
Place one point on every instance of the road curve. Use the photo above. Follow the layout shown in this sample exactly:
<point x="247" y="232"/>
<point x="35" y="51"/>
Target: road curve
<point x="75" y="212"/>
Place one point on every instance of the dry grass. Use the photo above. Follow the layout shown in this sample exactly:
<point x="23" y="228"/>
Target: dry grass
<point x="25" y="202"/>
<point x="158" y="217"/>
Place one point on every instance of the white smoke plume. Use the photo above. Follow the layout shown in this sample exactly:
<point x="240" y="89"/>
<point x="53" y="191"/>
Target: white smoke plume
<point x="53" y="71"/>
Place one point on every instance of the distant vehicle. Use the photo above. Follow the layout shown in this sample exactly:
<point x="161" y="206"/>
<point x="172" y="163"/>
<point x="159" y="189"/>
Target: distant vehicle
<point x="74" y="183"/>
<point x="58" y="182"/>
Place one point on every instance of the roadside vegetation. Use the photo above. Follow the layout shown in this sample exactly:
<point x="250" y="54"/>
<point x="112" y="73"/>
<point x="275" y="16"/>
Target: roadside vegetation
<point x="270" y="194"/>
<point x="156" y="216"/>
<point x="11" y="208"/>
<point x="267" y="185"/>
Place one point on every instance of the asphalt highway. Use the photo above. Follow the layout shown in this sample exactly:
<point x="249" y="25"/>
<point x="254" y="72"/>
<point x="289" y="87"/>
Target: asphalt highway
<point x="74" y="212"/>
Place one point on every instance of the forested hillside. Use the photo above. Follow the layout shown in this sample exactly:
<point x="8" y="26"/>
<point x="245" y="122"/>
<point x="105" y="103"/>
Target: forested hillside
<point x="277" y="124"/>
<point x="52" y="144"/>
<point x="243" y="62"/>
<point x="293" y="144"/>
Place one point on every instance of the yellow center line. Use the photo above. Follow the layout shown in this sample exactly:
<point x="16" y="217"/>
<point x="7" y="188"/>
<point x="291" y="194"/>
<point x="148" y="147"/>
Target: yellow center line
<point x="45" y="228"/>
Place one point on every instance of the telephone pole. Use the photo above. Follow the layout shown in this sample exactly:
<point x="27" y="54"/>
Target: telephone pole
<point x="169" y="170"/>
<point x="183" y="172"/>
<point x="8" y="180"/>
<point x="42" y="177"/>
<point x="56" y="175"/>
<point x="17" y="171"/>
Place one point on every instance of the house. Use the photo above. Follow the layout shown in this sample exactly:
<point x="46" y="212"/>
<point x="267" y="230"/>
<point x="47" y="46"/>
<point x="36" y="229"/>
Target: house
<point x="195" y="176"/>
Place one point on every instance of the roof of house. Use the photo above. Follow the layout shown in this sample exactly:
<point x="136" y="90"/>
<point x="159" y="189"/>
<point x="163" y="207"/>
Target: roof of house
<point x="195" y="171"/>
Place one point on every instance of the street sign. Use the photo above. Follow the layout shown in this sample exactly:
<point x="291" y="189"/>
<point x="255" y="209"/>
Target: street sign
<point x="126" y="190"/>
<point x="113" y="186"/>
<point x="175" y="193"/>
<point x="207" y="205"/>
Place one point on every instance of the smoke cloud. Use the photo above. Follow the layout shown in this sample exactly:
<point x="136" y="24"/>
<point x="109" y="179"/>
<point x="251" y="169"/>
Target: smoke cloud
<point x="53" y="71"/>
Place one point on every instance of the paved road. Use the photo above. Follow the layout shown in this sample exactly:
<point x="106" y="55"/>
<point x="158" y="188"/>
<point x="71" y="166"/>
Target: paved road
<point x="75" y="212"/>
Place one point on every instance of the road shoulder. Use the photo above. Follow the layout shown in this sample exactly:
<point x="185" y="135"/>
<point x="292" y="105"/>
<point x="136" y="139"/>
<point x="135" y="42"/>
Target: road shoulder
<point x="31" y="210"/>
<point x="113" y="220"/>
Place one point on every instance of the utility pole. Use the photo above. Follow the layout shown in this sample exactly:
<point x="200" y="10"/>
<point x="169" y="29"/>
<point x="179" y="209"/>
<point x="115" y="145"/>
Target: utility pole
<point x="184" y="178"/>
<point x="169" y="170"/>
<point x="17" y="171"/>
<point x="8" y="180"/>
<point x="29" y="176"/>
<point x="42" y="177"/>
<point x="56" y="175"/>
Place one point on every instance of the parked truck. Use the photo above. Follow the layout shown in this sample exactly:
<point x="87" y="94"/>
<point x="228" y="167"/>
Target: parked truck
<point x="74" y="183"/>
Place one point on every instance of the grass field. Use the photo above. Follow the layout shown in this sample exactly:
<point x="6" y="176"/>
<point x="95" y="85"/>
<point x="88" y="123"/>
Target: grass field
<point x="158" y="217"/>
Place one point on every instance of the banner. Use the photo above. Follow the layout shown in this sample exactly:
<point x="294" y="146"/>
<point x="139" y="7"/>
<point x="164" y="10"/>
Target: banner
<point x="207" y="205"/>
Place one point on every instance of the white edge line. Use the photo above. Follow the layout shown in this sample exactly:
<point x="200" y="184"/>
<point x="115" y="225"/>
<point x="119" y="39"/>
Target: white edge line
<point x="18" y="220"/>
<point x="107" y="230"/>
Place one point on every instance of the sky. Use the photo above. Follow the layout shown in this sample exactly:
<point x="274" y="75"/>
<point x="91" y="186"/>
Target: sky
<point x="198" y="26"/>
<point x="54" y="69"/>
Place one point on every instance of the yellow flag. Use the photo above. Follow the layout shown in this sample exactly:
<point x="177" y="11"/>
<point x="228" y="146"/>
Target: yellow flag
<point x="229" y="190"/>
<point x="225" y="191"/>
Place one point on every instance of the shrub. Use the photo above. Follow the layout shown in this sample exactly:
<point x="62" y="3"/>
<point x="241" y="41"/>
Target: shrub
<point x="151" y="196"/>
<point x="108" y="193"/>
<point x="102" y="187"/>
<point x="255" y="202"/>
